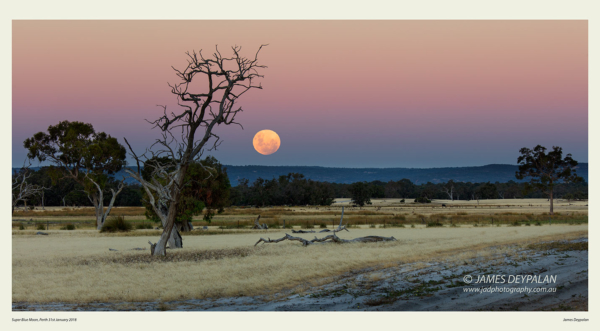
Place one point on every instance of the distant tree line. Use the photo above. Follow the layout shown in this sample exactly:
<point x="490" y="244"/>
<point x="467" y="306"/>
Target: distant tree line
<point x="291" y="189"/>
<point x="295" y="189"/>
<point x="64" y="191"/>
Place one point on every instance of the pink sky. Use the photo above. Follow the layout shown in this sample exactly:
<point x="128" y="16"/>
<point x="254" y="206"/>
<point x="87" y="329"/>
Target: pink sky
<point x="338" y="93"/>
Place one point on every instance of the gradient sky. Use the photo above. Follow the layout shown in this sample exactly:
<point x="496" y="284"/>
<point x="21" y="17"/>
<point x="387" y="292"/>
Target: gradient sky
<point x="338" y="93"/>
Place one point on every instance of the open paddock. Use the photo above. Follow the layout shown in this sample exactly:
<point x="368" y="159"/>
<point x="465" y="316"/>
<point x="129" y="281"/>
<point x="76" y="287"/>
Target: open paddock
<point x="77" y="266"/>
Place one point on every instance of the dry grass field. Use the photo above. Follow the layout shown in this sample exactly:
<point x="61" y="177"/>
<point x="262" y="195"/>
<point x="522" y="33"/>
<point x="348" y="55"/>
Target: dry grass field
<point x="382" y="211"/>
<point x="71" y="266"/>
<point x="78" y="267"/>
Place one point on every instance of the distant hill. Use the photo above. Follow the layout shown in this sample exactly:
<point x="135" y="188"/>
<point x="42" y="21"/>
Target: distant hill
<point x="488" y="173"/>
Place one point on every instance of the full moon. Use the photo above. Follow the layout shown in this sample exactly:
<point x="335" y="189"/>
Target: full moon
<point x="266" y="142"/>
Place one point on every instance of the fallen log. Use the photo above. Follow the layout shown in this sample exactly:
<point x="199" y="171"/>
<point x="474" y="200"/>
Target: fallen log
<point x="329" y="238"/>
<point x="302" y="231"/>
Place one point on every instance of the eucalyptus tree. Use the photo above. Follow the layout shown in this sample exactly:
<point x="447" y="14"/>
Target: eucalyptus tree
<point x="77" y="151"/>
<point x="22" y="187"/>
<point x="206" y="93"/>
<point x="546" y="170"/>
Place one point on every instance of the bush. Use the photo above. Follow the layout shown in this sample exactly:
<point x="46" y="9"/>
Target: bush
<point x="434" y="224"/>
<point x="68" y="227"/>
<point x="402" y="201"/>
<point x="41" y="227"/>
<point x="323" y="226"/>
<point x="516" y="223"/>
<point x="395" y="225"/>
<point x="527" y="224"/>
<point x="21" y="226"/>
<point x="372" y="226"/>
<point x="422" y="200"/>
<point x="116" y="224"/>
<point x="308" y="226"/>
<point x="538" y="224"/>
<point x="412" y="226"/>
<point x="144" y="225"/>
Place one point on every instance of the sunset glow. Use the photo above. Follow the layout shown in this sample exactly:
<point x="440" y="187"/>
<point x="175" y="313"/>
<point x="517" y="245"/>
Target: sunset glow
<point x="405" y="93"/>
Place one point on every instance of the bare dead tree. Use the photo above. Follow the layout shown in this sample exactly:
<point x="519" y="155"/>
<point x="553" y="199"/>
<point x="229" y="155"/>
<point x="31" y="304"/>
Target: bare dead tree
<point x="186" y="132"/>
<point x="22" y="189"/>
<point x="97" y="199"/>
<point x="449" y="190"/>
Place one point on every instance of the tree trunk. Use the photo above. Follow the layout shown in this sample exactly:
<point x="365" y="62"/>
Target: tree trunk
<point x="161" y="245"/>
<point x="551" y="201"/>
<point x="99" y="207"/>
<point x="184" y="227"/>
<point x="175" y="240"/>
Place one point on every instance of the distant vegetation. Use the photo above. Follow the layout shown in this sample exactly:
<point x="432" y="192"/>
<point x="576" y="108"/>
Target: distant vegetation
<point x="295" y="189"/>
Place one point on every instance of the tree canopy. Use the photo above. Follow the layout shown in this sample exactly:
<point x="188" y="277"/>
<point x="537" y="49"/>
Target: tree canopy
<point x="546" y="169"/>
<point x="79" y="152"/>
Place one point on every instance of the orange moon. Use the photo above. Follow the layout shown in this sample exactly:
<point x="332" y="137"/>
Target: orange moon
<point x="266" y="142"/>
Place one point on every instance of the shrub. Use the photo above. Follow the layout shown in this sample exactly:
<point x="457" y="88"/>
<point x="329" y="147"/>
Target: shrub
<point x="402" y="201"/>
<point x="422" y="200"/>
<point x="412" y="226"/>
<point x="41" y="227"/>
<point x="434" y="224"/>
<point x="68" y="227"/>
<point x="21" y="226"/>
<point x="527" y="224"/>
<point x="538" y="224"/>
<point x="144" y="225"/>
<point x="395" y="225"/>
<point x="372" y="226"/>
<point x="308" y="225"/>
<point x="516" y="223"/>
<point x="322" y="226"/>
<point x="116" y="224"/>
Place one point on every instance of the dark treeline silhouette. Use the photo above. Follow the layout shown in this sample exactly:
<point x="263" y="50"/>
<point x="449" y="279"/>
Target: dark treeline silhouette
<point x="292" y="189"/>
<point x="67" y="192"/>
<point x="295" y="189"/>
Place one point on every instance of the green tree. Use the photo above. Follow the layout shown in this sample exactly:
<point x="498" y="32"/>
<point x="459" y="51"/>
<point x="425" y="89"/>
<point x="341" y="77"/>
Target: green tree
<point x="546" y="170"/>
<point x="487" y="191"/>
<point x="360" y="193"/>
<point x="206" y="191"/>
<point x="80" y="153"/>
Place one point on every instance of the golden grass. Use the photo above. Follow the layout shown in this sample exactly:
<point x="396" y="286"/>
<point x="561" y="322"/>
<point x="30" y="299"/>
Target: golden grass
<point x="75" y="266"/>
<point x="83" y="211"/>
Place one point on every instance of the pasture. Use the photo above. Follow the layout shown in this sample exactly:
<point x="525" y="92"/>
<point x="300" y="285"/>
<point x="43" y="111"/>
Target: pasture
<point x="222" y="262"/>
